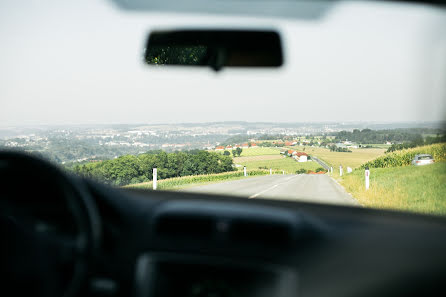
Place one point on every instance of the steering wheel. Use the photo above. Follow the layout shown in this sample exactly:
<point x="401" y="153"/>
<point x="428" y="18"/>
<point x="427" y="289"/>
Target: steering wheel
<point x="49" y="227"/>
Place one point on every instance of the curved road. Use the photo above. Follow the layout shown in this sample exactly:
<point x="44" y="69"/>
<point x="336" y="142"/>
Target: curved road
<point x="319" y="188"/>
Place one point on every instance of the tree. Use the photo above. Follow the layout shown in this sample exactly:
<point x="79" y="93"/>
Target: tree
<point x="234" y="153"/>
<point x="226" y="153"/>
<point x="239" y="151"/>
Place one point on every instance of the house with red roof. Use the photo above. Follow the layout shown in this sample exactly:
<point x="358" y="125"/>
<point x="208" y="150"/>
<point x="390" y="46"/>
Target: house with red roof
<point x="220" y="148"/>
<point x="301" y="157"/>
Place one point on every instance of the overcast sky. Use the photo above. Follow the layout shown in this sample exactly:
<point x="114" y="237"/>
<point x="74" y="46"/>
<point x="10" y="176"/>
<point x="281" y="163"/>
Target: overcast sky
<point x="80" y="62"/>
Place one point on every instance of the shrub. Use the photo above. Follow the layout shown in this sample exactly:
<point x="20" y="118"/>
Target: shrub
<point x="320" y="169"/>
<point x="301" y="171"/>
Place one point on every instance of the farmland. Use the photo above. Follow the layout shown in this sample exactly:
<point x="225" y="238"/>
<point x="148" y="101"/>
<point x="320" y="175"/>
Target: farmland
<point x="261" y="151"/>
<point x="241" y="160"/>
<point x="282" y="163"/>
<point x="407" y="188"/>
<point x="354" y="159"/>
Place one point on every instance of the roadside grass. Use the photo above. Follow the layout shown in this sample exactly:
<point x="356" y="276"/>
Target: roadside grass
<point x="409" y="188"/>
<point x="177" y="183"/>
<point x="285" y="163"/>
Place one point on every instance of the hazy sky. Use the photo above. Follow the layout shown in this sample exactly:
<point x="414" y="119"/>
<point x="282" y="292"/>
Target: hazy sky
<point x="80" y="62"/>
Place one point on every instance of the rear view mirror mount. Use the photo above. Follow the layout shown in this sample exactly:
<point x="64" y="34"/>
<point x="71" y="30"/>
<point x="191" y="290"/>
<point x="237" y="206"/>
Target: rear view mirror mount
<point x="214" y="48"/>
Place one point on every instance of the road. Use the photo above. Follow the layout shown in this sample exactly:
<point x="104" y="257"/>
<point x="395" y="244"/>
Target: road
<point x="321" y="162"/>
<point x="318" y="188"/>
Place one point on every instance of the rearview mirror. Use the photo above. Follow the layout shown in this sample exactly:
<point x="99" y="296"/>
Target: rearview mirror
<point x="215" y="48"/>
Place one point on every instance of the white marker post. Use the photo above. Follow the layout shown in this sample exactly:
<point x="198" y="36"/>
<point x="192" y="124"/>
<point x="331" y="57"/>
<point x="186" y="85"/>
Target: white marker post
<point x="270" y="171"/>
<point x="367" y="178"/>
<point x="155" y="176"/>
<point x="244" y="170"/>
<point x="331" y="168"/>
<point x="340" y="170"/>
<point x="283" y="172"/>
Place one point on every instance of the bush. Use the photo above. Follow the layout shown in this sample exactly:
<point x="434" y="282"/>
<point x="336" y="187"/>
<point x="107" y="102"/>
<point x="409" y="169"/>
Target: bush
<point x="405" y="157"/>
<point x="301" y="171"/>
<point x="320" y="169"/>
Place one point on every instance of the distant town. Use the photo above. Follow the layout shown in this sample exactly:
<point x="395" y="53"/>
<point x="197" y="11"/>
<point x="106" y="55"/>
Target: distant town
<point x="67" y="144"/>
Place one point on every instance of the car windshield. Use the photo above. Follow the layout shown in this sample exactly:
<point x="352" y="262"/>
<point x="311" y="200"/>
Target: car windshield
<point x="424" y="158"/>
<point x="359" y="93"/>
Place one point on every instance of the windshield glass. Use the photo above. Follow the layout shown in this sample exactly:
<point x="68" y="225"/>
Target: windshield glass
<point x="361" y="91"/>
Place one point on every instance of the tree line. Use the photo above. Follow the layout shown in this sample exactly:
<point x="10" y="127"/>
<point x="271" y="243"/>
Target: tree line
<point x="420" y="142"/>
<point x="130" y="169"/>
<point x="368" y="136"/>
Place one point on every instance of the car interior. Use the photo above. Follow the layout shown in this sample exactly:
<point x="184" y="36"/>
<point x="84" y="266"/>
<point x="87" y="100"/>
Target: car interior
<point x="66" y="235"/>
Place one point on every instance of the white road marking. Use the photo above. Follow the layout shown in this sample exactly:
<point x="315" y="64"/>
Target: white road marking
<point x="260" y="193"/>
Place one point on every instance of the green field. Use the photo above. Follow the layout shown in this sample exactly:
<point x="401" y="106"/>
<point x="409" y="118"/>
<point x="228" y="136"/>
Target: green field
<point x="408" y="188"/>
<point x="354" y="159"/>
<point x="193" y="180"/>
<point x="285" y="163"/>
<point x="260" y="151"/>
<point x="380" y="145"/>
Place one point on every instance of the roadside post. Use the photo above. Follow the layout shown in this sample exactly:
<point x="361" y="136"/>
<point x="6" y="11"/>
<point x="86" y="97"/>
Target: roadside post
<point x="340" y="170"/>
<point x="331" y="169"/>
<point x="244" y="171"/>
<point x="367" y="178"/>
<point x="283" y="172"/>
<point x="270" y="171"/>
<point x="154" y="178"/>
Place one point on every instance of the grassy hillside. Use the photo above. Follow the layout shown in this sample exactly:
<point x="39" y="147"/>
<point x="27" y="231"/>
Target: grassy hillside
<point x="189" y="181"/>
<point x="408" y="188"/>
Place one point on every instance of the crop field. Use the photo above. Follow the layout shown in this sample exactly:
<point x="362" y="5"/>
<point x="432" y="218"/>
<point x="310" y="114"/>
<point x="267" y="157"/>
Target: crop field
<point x="407" y="188"/>
<point x="285" y="163"/>
<point x="405" y="157"/>
<point x="240" y="160"/>
<point x="354" y="159"/>
<point x="177" y="183"/>
<point x="260" y="151"/>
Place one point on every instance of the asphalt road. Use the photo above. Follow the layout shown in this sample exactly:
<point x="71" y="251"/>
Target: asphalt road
<point x="318" y="188"/>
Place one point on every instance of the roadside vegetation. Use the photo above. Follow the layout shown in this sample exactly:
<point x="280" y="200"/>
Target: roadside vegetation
<point x="177" y="183"/>
<point x="409" y="188"/>
<point x="404" y="157"/>
<point x="395" y="184"/>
